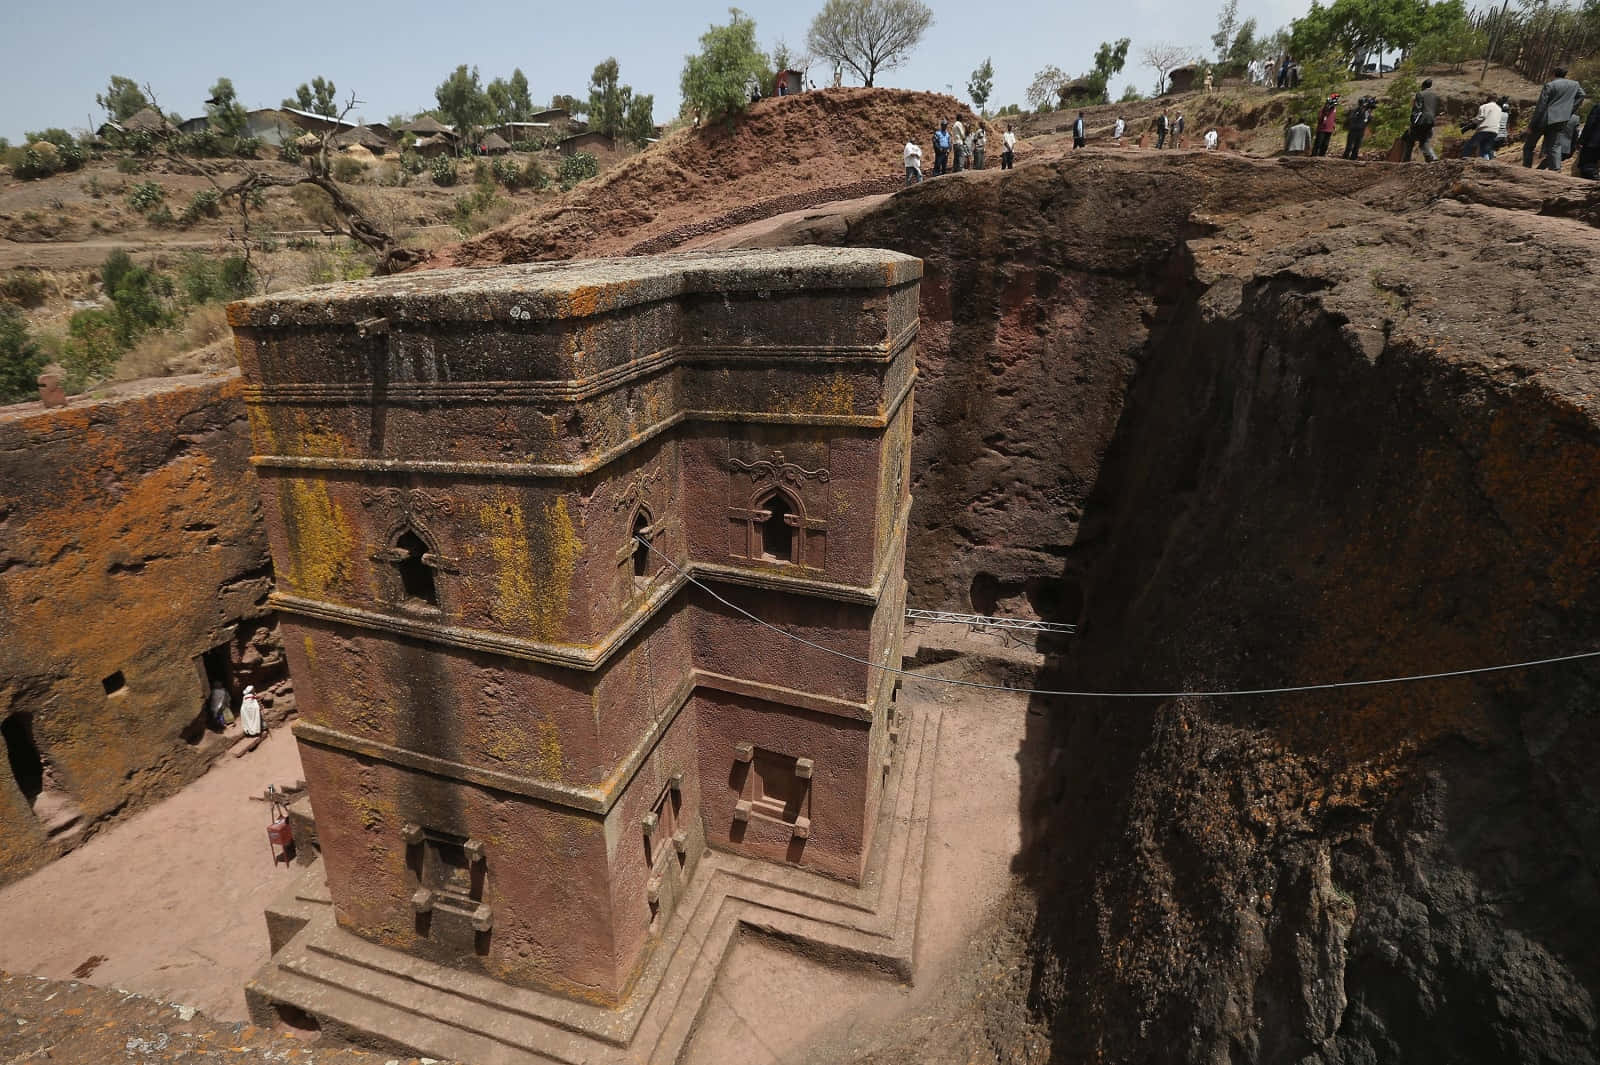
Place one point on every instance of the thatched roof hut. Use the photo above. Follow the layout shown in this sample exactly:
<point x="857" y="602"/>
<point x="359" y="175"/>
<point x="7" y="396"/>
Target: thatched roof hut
<point x="427" y="126"/>
<point x="438" y="144"/>
<point x="494" y="144"/>
<point x="361" y="136"/>
<point x="148" y="121"/>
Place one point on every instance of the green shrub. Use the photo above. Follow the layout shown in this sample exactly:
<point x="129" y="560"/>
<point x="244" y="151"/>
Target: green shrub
<point x="162" y="217"/>
<point x="20" y="358"/>
<point x="38" y="161"/>
<point x="24" y="288"/>
<point x="118" y="264"/>
<point x="246" y="147"/>
<point x="579" y="166"/>
<point x="289" y="152"/>
<point x="347" y="170"/>
<point x="201" y="143"/>
<point x="341" y="263"/>
<point x="54" y="135"/>
<point x="139" y="142"/>
<point x="207" y="203"/>
<point x="412" y="163"/>
<point x="443" y="169"/>
<point x="92" y="347"/>
<point x="203" y="279"/>
<point x="129" y="164"/>
<point x="146" y="196"/>
<point x="480" y="199"/>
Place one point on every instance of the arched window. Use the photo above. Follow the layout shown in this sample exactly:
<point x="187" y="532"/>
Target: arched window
<point x="777" y="530"/>
<point x="416" y="576"/>
<point x="642" y="566"/>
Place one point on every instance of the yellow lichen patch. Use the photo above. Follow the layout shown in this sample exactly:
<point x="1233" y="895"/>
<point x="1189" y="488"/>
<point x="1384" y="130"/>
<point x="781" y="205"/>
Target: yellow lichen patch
<point x="311" y="651"/>
<point x="264" y="439"/>
<point x="536" y="563"/>
<point x="317" y="438"/>
<point x="548" y="757"/>
<point x="582" y="301"/>
<point x="320" y="538"/>
<point x="835" y="396"/>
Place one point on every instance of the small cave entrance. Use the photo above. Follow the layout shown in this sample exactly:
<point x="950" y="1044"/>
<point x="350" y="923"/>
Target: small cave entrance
<point x="36" y="778"/>
<point x="777" y="534"/>
<point x="217" y="697"/>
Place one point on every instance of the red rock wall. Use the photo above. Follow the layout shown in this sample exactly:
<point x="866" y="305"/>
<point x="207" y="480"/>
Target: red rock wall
<point x="130" y="543"/>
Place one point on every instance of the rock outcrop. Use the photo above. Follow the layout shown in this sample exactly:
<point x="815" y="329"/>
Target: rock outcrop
<point x="1280" y="423"/>
<point x="133" y="562"/>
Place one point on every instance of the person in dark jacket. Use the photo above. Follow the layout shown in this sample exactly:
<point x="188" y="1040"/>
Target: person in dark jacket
<point x="1559" y="100"/>
<point x="941" y="147"/>
<point x="1161" y="130"/>
<point x="1424" y="113"/>
<point x="1589" y="145"/>
<point x="1078" y="137"/>
<point x="1355" y="127"/>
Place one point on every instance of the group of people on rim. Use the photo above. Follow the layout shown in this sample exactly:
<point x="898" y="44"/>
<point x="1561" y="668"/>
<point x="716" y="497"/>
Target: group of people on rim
<point x="1555" y="132"/>
<point x="969" y="148"/>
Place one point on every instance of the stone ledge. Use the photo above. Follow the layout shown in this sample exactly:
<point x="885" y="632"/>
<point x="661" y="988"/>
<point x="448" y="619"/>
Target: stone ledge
<point x="377" y="997"/>
<point x="576" y="289"/>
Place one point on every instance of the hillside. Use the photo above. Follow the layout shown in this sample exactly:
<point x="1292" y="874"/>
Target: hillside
<point x="782" y="154"/>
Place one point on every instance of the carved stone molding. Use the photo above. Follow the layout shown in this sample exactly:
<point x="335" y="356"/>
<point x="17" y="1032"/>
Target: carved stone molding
<point x="634" y="494"/>
<point x="410" y="500"/>
<point x="779" y="469"/>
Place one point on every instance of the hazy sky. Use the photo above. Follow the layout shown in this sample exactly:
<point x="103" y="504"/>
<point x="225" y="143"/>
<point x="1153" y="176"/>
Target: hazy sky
<point x="56" y="55"/>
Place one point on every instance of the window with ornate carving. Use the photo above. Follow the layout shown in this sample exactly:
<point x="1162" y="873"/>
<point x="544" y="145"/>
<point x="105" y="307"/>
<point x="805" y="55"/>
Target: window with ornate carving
<point x="417" y="586"/>
<point x="778" y="529"/>
<point x="643" y="564"/>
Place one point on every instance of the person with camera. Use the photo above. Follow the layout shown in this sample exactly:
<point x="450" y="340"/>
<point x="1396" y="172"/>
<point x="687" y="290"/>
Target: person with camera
<point x="1327" y="122"/>
<point x="1355" y="125"/>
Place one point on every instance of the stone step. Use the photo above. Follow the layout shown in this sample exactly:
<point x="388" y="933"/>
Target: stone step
<point x="365" y="1022"/>
<point x="389" y="1008"/>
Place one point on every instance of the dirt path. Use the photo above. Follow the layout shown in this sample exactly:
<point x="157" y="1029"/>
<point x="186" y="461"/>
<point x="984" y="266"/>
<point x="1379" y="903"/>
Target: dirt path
<point x="171" y="899"/>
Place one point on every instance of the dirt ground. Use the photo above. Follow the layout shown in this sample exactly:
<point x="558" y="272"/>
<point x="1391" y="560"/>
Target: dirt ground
<point x="168" y="903"/>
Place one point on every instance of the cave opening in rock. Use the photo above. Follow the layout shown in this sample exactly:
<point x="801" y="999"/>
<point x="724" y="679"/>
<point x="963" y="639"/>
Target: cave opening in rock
<point x="114" y="683"/>
<point x="22" y="755"/>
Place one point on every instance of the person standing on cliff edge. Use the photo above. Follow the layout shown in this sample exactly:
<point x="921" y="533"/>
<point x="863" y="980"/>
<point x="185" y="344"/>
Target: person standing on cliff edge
<point x="941" y="147"/>
<point x="1008" y="149"/>
<point x="1117" y="130"/>
<point x="1559" y="100"/>
<point x="1078" y="138"/>
<point x="913" y="160"/>
<point x="958" y="142"/>
<point x="1424" y="112"/>
<point x="1297" y="141"/>
<point x="1355" y="127"/>
<point x="1327" y="122"/>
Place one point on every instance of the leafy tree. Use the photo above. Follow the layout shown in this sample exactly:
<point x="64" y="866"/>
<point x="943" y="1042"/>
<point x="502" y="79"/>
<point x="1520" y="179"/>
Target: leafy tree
<point x="1130" y="94"/>
<point x="869" y="35"/>
<point x="638" y="120"/>
<point x="20" y="358"/>
<point x="227" y="114"/>
<point x="1227" y="26"/>
<point x="981" y="85"/>
<point x="122" y="99"/>
<point x="1353" y="29"/>
<point x="521" y="98"/>
<point x="1109" y="59"/>
<point x="1244" y="48"/>
<point x="54" y="135"/>
<point x="717" y="81"/>
<point x="1163" y="59"/>
<point x="1046" y="87"/>
<point x="572" y="105"/>
<point x="498" y="92"/>
<point x="607" y="107"/>
<point x="463" y="103"/>
<point x="318" y="97"/>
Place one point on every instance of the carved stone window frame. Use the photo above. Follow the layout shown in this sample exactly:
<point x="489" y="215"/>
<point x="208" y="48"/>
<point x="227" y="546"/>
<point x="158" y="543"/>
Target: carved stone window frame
<point x="391" y="554"/>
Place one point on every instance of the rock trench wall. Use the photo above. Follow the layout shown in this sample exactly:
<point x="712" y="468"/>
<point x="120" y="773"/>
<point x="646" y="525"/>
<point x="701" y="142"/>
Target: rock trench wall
<point x="131" y="551"/>
<point x="1248" y="424"/>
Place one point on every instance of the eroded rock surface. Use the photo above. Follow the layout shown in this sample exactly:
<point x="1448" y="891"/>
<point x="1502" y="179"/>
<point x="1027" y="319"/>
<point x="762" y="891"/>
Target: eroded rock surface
<point x="131" y="549"/>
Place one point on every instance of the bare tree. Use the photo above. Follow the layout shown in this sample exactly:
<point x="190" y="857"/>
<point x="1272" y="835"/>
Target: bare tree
<point x="1164" y="59"/>
<point x="245" y="193"/>
<point x="868" y="35"/>
<point x="1046" y="86"/>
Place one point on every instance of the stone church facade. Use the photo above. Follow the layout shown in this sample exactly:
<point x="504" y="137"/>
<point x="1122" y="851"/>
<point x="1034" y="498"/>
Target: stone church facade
<point x="521" y="728"/>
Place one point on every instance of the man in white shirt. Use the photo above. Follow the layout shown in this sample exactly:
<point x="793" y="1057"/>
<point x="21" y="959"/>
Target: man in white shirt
<point x="1211" y="140"/>
<point x="1008" y="149"/>
<point x="958" y="141"/>
<point x="1117" y="131"/>
<point x="913" y="160"/>
<point x="1481" y="144"/>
